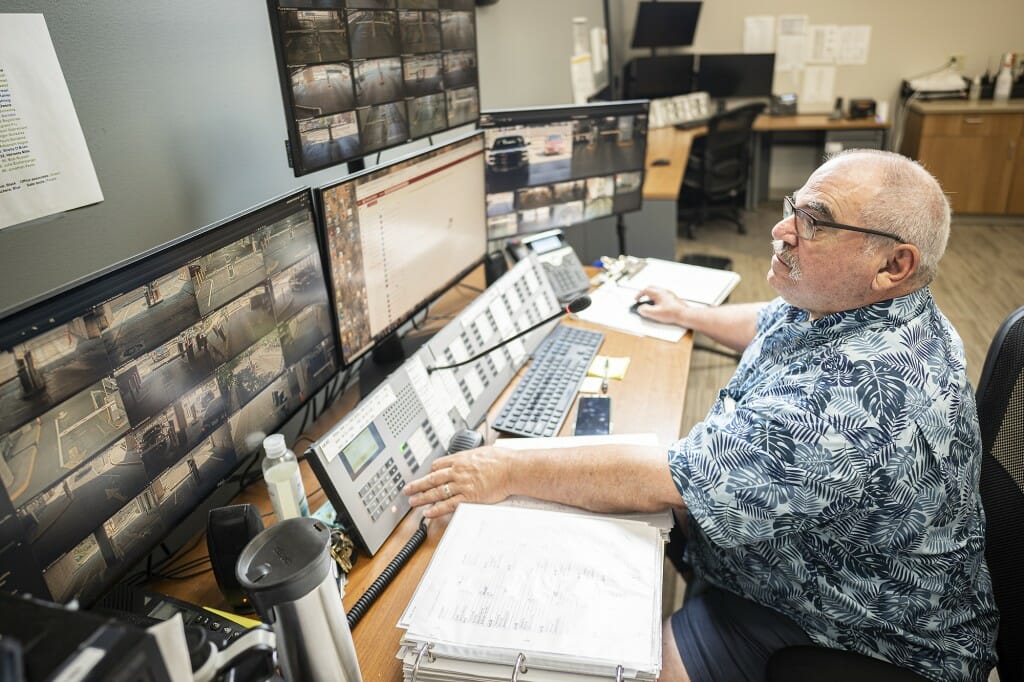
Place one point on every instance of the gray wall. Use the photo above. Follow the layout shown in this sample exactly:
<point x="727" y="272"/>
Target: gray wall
<point x="182" y="112"/>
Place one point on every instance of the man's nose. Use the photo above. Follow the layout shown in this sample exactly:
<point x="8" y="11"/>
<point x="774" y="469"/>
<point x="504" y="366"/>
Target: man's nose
<point x="785" y="230"/>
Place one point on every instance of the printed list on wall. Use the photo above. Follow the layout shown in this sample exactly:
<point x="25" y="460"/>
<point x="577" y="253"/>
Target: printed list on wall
<point x="45" y="166"/>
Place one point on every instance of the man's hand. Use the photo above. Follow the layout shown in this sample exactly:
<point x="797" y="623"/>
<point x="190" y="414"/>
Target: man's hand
<point x="665" y="307"/>
<point x="480" y="475"/>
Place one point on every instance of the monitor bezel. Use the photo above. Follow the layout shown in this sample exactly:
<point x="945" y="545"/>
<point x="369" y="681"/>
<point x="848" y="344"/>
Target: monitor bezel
<point x="395" y="326"/>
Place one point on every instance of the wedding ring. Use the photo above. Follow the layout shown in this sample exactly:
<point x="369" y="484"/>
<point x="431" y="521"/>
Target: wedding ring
<point x="447" y="491"/>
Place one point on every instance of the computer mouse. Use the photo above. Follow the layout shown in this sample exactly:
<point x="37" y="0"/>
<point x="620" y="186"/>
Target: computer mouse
<point x="636" y="305"/>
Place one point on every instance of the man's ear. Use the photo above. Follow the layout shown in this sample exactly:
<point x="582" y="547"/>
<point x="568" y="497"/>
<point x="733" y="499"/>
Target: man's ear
<point x="899" y="267"/>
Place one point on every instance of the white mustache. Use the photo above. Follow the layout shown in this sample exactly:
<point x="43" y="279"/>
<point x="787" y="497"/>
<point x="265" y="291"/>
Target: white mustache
<point x="784" y="254"/>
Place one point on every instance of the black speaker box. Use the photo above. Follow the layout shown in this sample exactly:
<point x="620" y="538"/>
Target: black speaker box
<point x="228" y="531"/>
<point x="495" y="266"/>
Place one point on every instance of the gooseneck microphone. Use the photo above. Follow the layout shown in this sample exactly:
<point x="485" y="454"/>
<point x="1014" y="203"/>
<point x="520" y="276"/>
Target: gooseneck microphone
<point x="575" y="305"/>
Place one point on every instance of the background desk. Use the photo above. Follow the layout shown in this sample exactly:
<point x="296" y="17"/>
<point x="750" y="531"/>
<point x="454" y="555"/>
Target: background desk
<point x="652" y="230"/>
<point x="815" y="130"/>
<point x="649" y="399"/>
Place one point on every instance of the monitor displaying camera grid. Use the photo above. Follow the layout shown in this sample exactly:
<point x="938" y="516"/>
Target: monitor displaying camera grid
<point x="360" y="76"/>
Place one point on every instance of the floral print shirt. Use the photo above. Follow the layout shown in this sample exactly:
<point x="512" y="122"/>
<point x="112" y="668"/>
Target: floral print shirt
<point x="836" y="480"/>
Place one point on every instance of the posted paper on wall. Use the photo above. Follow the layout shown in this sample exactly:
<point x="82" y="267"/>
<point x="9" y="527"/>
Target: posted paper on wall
<point x="45" y="166"/>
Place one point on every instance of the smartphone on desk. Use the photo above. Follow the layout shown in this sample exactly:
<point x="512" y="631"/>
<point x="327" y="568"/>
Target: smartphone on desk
<point x="594" y="416"/>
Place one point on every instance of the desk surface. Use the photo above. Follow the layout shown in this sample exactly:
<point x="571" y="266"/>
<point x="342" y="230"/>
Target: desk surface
<point x="649" y="399"/>
<point x="673" y="145"/>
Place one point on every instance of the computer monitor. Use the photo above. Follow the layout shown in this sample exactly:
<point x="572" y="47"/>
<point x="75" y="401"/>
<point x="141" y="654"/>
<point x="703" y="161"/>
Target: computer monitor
<point x="360" y="76"/>
<point x="665" y="24"/>
<point x="736" y="75"/>
<point x="399" y="236"/>
<point x="661" y="76"/>
<point x="563" y="165"/>
<point x="127" y="398"/>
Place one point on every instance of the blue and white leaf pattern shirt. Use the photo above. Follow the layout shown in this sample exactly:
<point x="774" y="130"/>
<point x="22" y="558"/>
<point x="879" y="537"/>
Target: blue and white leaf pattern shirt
<point x="836" y="480"/>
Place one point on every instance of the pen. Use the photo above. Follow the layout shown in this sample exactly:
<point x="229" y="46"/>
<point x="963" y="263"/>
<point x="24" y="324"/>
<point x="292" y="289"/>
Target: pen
<point x="604" y="380"/>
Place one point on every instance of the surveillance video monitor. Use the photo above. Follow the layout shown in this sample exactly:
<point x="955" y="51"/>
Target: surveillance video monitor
<point x="736" y="75"/>
<point x="665" y="24"/>
<point x="399" y="236"/>
<point x="360" y="76"/>
<point x="128" y="398"/>
<point x="559" y="166"/>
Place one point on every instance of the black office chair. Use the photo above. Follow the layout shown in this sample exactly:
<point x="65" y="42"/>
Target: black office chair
<point x="717" y="171"/>
<point x="1000" y="399"/>
<point x="1001" y="413"/>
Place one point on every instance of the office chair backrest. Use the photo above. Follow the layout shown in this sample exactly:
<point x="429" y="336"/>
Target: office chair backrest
<point x="1001" y="415"/>
<point x="726" y="160"/>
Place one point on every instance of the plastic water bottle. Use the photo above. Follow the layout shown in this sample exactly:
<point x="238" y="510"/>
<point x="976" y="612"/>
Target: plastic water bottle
<point x="1004" y="81"/>
<point x="284" y="481"/>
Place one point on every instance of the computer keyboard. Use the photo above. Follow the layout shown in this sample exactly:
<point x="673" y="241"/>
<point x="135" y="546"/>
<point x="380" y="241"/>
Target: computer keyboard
<point x="542" y="399"/>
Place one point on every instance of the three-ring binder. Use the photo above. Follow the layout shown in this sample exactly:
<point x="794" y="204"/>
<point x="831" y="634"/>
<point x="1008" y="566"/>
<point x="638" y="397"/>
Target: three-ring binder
<point x="518" y="668"/>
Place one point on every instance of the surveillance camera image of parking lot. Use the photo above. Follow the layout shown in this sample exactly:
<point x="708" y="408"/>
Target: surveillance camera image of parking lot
<point x="313" y="37"/>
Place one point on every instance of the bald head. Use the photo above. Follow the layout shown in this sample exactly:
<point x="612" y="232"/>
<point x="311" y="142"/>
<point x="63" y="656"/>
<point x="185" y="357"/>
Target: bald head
<point x="903" y="199"/>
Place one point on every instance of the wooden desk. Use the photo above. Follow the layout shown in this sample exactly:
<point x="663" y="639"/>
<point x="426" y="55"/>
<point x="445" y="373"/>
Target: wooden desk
<point x="649" y="399"/>
<point x="662" y="182"/>
<point x="805" y="129"/>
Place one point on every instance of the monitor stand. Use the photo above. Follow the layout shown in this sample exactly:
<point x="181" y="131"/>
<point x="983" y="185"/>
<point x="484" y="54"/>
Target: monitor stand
<point x="385" y="358"/>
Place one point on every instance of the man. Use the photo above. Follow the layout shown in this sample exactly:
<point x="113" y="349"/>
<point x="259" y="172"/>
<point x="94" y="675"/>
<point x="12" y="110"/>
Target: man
<point x="831" y="494"/>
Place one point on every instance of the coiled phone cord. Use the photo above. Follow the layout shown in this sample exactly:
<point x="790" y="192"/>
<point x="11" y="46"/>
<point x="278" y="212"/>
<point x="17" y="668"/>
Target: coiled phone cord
<point x="360" y="608"/>
<point x="464" y="439"/>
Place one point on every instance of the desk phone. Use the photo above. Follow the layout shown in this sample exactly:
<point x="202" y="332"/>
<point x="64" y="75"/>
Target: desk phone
<point x="393" y="434"/>
<point x="561" y="264"/>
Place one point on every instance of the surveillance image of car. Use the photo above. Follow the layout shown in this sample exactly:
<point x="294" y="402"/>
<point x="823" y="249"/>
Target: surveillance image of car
<point x="554" y="144"/>
<point x="527" y="156"/>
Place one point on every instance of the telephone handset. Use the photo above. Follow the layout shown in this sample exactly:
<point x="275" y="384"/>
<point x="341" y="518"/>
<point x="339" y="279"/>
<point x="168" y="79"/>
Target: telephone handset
<point x="561" y="264"/>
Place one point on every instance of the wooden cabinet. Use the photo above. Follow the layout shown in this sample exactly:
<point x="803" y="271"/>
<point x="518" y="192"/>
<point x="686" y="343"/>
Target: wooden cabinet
<point x="975" y="151"/>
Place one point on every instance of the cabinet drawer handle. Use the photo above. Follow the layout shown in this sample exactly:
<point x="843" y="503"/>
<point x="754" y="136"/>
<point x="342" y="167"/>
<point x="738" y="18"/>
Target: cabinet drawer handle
<point x="973" y="121"/>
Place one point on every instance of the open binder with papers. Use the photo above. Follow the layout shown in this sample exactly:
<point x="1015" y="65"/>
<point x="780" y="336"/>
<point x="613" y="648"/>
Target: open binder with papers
<point x="515" y="593"/>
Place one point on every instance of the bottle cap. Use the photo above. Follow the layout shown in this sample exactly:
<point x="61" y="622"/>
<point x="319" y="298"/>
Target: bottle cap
<point x="274" y="445"/>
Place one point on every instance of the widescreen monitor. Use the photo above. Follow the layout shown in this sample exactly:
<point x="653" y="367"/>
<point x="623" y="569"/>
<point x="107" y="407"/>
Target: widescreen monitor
<point x="128" y="398"/>
<point x="736" y="75"/>
<point x="656" y="77"/>
<point x="399" y="236"/>
<point x="559" y="166"/>
<point x="360" y="76"/>
<point x="665" y="24"/>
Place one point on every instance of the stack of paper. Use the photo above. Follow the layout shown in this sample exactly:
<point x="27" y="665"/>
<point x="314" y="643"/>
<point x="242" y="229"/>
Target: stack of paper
<point x="574" y="597"/>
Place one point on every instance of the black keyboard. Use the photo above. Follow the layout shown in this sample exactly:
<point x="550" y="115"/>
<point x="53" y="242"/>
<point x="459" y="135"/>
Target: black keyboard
<point x="544" y="396"/>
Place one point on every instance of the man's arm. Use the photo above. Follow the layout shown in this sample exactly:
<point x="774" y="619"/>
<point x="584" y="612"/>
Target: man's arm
<point x="603" y="478"/>
<point x="731" y="325"/>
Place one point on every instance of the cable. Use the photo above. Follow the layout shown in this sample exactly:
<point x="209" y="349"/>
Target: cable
<point x="360" y="608"/>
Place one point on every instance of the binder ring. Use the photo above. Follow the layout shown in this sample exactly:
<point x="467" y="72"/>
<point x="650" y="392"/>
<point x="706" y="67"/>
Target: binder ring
<point x="618" y="673"/>
<point x="424" y="649"/>
<point x="520" y="667"/>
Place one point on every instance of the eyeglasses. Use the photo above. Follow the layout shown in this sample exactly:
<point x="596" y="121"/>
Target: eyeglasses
<point x="807" y="225"/>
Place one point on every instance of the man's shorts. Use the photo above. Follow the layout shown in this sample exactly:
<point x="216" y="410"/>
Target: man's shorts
<point x="725" y="638"/>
